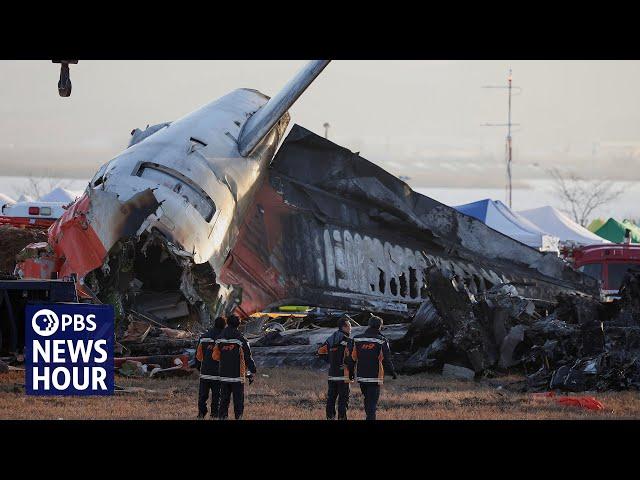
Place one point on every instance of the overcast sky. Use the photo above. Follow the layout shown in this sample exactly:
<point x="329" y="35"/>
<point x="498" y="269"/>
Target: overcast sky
<point x="421" y="119"/>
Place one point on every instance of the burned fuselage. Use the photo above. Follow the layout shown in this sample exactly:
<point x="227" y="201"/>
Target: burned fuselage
<point x="331" y="229"/>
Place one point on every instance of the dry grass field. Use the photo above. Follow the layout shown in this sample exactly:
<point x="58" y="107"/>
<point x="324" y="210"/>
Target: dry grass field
<point x="293" y="394"/>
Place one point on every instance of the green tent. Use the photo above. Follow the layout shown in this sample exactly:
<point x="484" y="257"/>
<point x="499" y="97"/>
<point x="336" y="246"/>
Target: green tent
<point x="613" y="231"/>
<point x="630" y="224"/>
<point x="595" y="225"/>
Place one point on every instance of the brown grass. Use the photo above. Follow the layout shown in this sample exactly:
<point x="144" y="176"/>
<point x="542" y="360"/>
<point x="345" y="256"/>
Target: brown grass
<point x="293" y="394"/>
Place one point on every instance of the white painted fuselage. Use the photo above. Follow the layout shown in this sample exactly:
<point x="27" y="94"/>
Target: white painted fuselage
<point x="196" y="173"/>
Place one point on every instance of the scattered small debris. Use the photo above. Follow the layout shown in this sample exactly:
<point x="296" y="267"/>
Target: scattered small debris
<point x="588" y="403"/>
<point x="154" y="365"/>
<point x="122" y="389"/>
<point x="457" y="372"/>
<point x="132" y="368"/>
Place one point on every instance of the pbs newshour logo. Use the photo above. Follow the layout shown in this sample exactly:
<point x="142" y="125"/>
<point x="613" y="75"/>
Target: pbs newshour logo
<point x="47" y="318"/>
<point x="69" y="349"/>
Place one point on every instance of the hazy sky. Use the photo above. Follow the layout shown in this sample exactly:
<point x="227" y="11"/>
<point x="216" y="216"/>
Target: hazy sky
<point x="421" y="119"/>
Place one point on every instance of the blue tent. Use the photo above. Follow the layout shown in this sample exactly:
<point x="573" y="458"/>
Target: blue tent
<point x="498" y="216"/>
<point x="476" y="209"/>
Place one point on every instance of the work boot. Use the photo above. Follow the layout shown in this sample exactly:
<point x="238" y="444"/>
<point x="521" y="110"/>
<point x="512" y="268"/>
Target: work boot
<point x="331" y="418"/>
<point x="201" y="416"/>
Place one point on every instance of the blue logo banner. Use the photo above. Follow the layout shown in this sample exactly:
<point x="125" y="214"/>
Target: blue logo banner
<point x="69" y="349"/>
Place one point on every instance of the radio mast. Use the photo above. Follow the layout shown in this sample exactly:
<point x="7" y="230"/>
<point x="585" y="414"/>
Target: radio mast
<point x="509" y="124"/>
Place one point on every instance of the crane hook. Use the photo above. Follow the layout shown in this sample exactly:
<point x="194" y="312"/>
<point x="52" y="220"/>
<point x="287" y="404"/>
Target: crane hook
<point x="64" y="84"/>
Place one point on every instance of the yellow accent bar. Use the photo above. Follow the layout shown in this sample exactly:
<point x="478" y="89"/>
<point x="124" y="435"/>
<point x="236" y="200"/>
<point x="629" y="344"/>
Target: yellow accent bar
<point x="294" y="308"/>
<point x="278" y="315"/>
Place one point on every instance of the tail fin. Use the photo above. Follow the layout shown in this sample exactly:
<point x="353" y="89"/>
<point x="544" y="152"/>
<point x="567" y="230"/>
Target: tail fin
<point x="261" y="123"/>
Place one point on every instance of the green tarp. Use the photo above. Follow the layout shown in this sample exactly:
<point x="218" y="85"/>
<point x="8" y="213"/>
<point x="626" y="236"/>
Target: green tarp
<point x="613" y="231"/>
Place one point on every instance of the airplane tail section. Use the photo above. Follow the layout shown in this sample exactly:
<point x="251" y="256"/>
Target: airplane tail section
<point x="261" y="123"/>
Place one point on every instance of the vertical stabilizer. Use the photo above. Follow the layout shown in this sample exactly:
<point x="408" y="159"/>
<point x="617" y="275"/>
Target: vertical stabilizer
<point x="261" y="123"/>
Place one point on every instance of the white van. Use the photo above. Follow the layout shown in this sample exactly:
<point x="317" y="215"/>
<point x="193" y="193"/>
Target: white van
<point x="31" y="213"/>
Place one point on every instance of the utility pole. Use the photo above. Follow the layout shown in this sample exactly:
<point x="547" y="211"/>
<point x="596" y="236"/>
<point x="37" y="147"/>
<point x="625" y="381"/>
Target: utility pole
<point x="326" y="129"/>
<point x="509" y="149"/>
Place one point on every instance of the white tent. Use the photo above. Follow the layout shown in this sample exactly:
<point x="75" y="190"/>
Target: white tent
<point x="557" y="223"/>
<point x="5" y="199"/>
<point x="498" y="216"/>
<point x="60" y="194"/>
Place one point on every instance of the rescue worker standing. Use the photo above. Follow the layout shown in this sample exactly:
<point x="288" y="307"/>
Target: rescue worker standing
<point x="370" y="353"/>
<point x="336" y="350"/>
<point x="234" y="354"/>
<point x="209" y="378"/>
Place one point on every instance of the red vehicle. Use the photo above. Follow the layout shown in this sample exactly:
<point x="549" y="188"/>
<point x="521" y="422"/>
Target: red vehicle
<point x="608" y="263"/>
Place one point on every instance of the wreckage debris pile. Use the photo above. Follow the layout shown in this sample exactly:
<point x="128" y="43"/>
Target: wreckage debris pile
<point x="577" y="344"/>
<point x="13" y="240"/>
<point x="148" y="350"/>
<point x="144" y="338"/>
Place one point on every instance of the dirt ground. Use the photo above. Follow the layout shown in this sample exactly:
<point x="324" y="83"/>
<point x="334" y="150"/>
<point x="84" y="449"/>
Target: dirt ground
<point x="294" y="394"/>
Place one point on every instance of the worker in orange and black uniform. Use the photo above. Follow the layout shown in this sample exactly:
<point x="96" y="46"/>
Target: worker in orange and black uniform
<point x="370" y="353"/>
<point x="209" y="377"/>
<point x="336" y="351"/>
<point x="234" y="354"/>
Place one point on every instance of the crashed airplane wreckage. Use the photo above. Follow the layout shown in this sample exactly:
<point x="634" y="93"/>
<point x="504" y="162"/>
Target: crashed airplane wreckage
<point x="325" y="228"/>
<point x="201" y="217"/>
<point x="197" y="218"/>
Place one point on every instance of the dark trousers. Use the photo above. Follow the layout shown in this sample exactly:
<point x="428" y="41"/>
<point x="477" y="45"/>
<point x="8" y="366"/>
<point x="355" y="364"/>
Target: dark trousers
<point x="337" y="391"/>
<point x="203" y="396"/>
<point x="371" y="392"/>
<point x="226" y="390"/>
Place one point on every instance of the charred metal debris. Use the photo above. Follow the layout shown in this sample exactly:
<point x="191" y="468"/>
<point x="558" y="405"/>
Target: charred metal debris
<point x="574" y="344"/>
